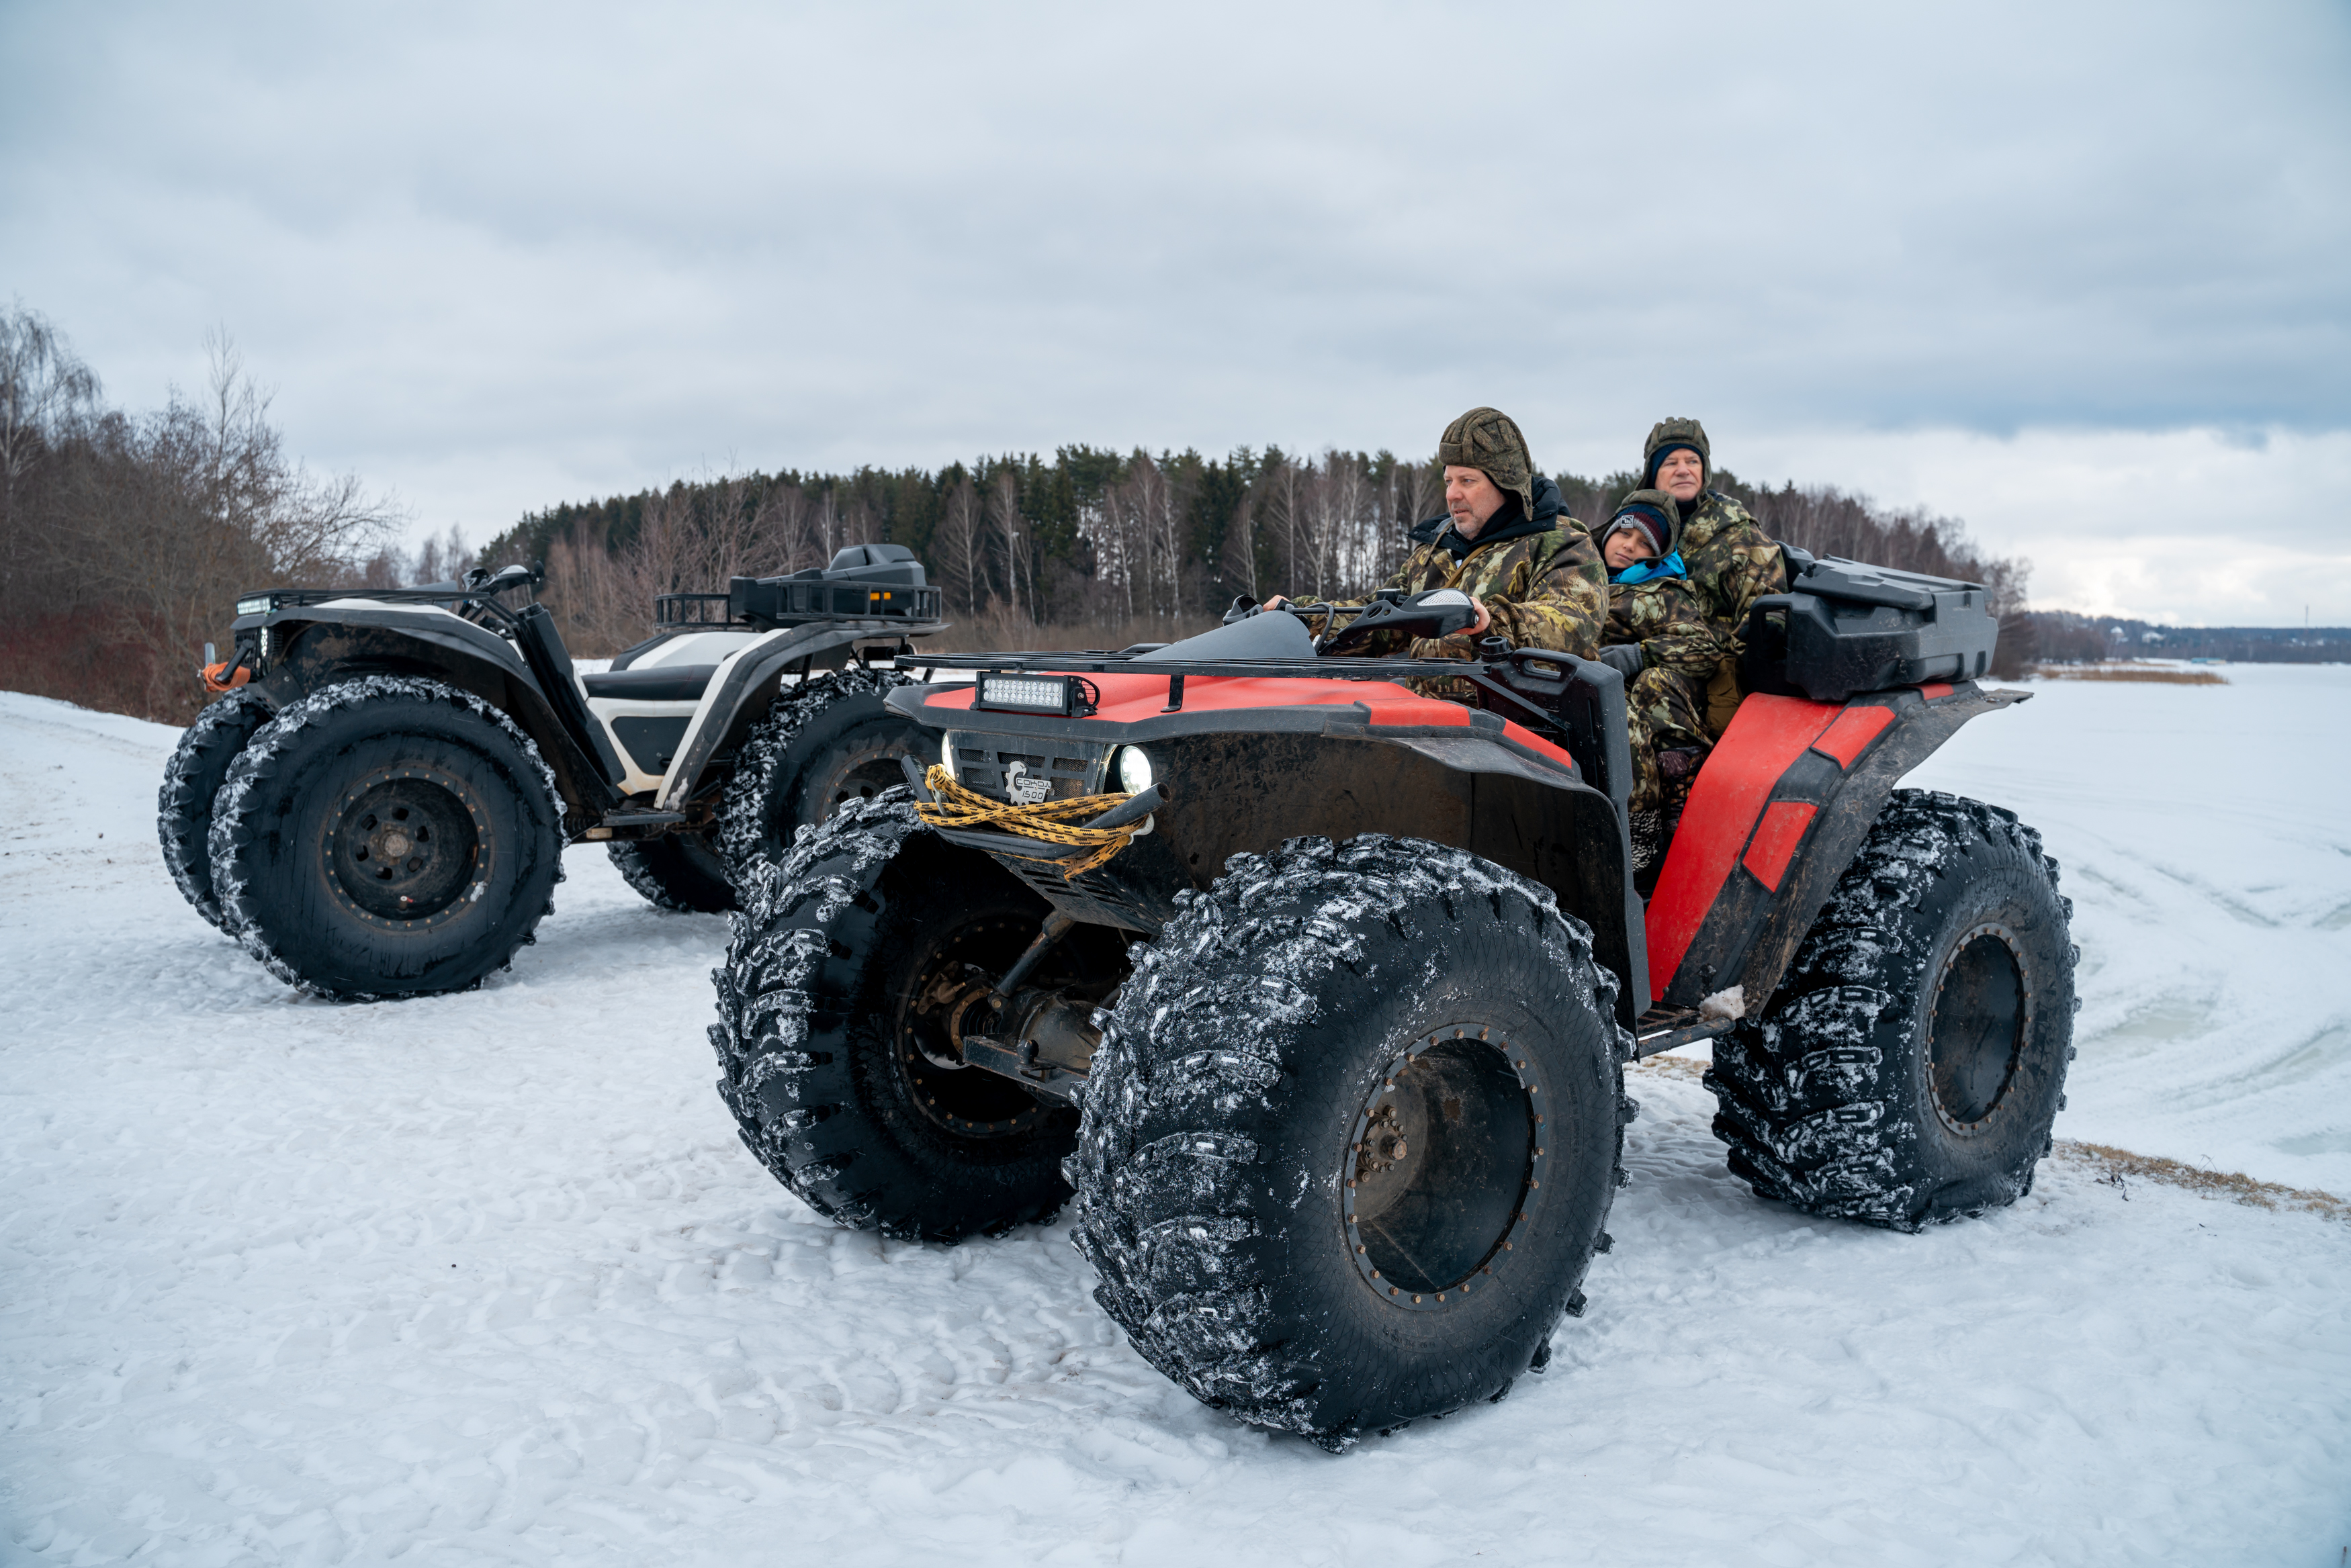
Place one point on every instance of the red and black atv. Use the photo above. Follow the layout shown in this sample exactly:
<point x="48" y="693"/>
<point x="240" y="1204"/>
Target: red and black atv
<point x="1318" y="991"/>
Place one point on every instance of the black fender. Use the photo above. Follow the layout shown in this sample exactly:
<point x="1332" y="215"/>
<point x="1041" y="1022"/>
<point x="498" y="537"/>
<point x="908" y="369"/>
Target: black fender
<point x="745" y="685"/>
<point x="1777" y="814"/>
<point x="314" y="647"/>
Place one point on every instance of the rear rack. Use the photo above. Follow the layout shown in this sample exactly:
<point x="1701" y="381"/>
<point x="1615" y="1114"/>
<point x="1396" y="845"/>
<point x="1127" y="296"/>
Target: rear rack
<point x="690" y="609"/>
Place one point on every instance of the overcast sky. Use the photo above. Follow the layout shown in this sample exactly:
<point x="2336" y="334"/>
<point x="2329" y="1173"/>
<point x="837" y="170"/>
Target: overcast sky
<point x="2080" y="275"/>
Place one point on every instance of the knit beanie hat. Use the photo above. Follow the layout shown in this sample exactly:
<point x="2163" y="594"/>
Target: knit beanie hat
<point x="1654" y="514"/>
<point x="1675" y="435"/>
<point x="1489" y="439"/>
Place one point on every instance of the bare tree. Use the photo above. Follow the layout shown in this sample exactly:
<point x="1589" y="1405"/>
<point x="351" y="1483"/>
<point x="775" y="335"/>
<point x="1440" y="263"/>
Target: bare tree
<point x="165" y="520"/>
<point x="45" y="394"/>
<point x="1011" y="538"/>
<point x="963" y="547"/>
<point x="1240" y="563"/>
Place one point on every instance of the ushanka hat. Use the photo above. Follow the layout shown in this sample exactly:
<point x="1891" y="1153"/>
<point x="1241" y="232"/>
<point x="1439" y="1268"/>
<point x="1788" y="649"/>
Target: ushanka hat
<point x="1489" y="439"/>
<point x="1675" y="435"/>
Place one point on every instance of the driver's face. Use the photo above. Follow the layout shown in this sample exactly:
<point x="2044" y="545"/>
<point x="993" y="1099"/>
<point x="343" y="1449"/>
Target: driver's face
<point x="1681" y="475"/>
<point x="1471" y="498"/>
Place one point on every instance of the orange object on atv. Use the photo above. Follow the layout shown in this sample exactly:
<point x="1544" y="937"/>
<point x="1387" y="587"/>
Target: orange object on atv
<point x="224" y="675"/>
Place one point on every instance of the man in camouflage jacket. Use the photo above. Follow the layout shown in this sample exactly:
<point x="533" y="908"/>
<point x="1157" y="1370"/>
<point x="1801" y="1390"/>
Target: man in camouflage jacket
<point x="1505" y="542"/>
<point x="1731" y="560"/>
<point x="1663" y="645"/>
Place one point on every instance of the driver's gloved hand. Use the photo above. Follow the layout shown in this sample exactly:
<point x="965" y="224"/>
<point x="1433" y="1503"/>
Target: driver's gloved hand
<point x="1624" y="657"/>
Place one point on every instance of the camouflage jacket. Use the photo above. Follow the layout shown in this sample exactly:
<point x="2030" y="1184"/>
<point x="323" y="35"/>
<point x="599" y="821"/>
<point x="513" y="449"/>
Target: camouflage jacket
<point x="1539" y="579"/>
<point x="1663" y="616"/>
<point x="1732" y="562"/>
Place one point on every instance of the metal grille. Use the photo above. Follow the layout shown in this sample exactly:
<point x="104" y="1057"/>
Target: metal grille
<point x="982" y="762"/>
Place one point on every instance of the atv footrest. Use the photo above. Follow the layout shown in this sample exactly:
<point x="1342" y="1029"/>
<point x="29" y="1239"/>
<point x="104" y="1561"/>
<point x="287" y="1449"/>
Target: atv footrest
<point x="1670" y="1028"/>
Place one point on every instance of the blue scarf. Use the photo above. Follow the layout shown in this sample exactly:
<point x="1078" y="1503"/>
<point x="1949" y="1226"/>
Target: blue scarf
<point x="1642" y="571"/>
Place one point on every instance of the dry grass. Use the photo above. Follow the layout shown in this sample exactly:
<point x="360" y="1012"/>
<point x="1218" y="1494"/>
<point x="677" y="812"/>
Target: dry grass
<point x="1690" y="1067"/>
<point x="2119" y="1166"/>
<point x="2128" y="672"/>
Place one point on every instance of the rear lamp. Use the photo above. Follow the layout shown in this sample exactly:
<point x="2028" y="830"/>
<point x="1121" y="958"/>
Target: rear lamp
<point x="1064" y="695"/>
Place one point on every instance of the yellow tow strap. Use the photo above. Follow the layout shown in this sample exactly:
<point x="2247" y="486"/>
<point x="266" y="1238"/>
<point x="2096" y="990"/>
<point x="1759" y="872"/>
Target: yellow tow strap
<point x="961" y="807"/>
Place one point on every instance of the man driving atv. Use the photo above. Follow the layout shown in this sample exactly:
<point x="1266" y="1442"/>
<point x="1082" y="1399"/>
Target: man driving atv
<point x="1505" y="541"/>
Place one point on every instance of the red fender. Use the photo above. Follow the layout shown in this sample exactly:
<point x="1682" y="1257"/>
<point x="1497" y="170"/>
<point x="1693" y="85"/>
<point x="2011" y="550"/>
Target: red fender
<point x="1776" y="814"/>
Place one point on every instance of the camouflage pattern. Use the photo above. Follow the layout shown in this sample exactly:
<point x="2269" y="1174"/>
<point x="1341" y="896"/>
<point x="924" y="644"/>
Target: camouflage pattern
<point x="1661" y="714"/>
<point x="1732" y="563"/>
<point x="1663" y="616"/>
<point x="1489" y="439"/>
<point x="1665" y="706"/>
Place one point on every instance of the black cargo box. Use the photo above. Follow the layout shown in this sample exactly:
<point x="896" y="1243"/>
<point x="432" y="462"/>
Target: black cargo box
<point x="1847" y="626"/>
<point x="863" y="581"/>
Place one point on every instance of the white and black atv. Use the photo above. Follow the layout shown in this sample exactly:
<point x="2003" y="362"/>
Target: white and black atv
<point x="378" y="807"/>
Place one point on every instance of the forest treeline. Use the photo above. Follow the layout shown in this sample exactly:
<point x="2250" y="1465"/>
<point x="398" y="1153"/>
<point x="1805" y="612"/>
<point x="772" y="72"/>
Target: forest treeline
<point x="126" y="536"/>
<point x="1096" y="547"/>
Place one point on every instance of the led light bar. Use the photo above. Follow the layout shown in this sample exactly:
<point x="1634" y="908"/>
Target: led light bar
<point x="260" y="604"/>
<point x="1065" y="695"/>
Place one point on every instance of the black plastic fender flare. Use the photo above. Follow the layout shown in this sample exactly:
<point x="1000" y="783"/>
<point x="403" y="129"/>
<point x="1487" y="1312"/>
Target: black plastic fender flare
<point x="746" y="683"/>
<point x="317" y="650"/>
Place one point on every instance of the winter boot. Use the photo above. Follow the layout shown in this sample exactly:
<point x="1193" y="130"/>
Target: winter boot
<point x="1676" y="772"/>
<point x="1648" y="849"/>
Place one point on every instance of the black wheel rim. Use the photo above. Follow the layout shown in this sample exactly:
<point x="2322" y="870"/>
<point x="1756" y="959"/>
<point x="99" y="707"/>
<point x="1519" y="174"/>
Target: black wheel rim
<point x="406" y="848"/>
<point x="860" y="769"/>
<point x="1443" y="1166"/>
<point x="946" y="996"/>
<point x="1975" y="1036"/>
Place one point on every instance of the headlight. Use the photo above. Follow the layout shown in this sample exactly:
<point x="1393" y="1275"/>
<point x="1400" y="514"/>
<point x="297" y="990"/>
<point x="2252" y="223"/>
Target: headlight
<point x="256" y="606"/>
<point x="1134" y="766"/>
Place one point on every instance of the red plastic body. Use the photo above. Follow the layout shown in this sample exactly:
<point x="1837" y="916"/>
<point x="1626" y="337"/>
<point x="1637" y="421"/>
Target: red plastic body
<point x="1139" y="699"/>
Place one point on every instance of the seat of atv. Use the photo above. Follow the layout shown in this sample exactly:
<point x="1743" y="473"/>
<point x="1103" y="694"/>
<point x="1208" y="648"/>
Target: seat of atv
<point x="661" y="683"/>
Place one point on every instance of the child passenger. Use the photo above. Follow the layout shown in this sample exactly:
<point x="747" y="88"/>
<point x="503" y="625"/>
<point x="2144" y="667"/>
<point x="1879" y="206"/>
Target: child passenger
<point x="1667" y="647"/>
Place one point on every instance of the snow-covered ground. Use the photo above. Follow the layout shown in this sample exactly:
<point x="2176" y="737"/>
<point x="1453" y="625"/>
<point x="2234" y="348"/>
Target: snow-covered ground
<point x="487" y="1278"/>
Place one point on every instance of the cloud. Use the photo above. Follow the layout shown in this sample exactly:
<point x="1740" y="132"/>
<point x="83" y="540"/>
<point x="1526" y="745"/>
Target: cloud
<point x="2193" y="527"/>
<point x="501" y="256"/>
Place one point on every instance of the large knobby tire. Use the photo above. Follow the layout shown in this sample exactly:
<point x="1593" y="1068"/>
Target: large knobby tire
<point x="386" y="836"/>
<point x="825" y="742"/>
<point x="183" y="806"/>
<point x="679" y="871"/>
<point x="847" y="956"/>
<point x="1909" y="1068"/>
<point x="1354" y="1127"/>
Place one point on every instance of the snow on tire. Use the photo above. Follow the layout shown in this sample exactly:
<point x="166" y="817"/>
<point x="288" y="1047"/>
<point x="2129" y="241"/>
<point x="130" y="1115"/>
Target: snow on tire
<point x="386" y="836"/>
<point x="1909" y="1066"/>
<point x="1353" y="1129"/>
<point x="848" y="958"/>
<point x="679" y="871"/>
<point x="183" y="806"/>
<point x="824" y="743"/>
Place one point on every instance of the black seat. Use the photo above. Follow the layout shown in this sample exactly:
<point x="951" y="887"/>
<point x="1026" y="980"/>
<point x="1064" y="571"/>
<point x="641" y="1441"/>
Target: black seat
<point x="661" y="683"/>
